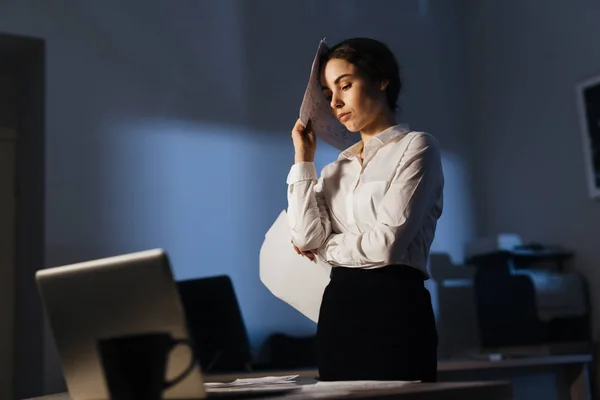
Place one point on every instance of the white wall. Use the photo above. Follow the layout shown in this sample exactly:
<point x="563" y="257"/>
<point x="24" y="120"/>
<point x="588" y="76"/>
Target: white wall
<point x="524" y="62"/>
<point x="168" y="125"/>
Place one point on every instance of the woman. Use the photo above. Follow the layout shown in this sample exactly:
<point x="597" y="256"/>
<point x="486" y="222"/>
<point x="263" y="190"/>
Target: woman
<point x="372" y="215"/>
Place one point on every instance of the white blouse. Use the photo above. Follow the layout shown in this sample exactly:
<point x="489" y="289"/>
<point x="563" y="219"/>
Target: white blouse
<point x="374" y="213"/>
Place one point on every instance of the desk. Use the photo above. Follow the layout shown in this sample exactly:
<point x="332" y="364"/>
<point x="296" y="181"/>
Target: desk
<point x="572" y="376"/>
<point x="564" y="377"/>
<point x="420" y="391"/>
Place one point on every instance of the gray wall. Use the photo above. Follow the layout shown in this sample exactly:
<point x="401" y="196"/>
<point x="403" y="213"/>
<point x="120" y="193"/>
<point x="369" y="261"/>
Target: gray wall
<point x="7" y="232"/>
<point x="168" y="126"/>
<point x="524" y="63"/>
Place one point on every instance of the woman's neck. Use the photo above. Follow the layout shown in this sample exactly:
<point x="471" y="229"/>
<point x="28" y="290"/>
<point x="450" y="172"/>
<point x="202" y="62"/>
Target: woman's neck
<point x="383" y="122"/>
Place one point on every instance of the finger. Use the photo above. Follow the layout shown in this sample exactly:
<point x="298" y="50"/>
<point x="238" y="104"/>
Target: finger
<point x="298" y="126"/>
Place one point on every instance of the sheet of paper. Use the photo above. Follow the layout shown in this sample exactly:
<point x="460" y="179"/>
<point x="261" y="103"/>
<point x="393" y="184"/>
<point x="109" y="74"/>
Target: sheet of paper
<point x="289" y="276"/>
<point x="261" y="381"/>
<point x="363" y="384"/>
<point x="315" y="107"/>
<point x="346" y="388"/>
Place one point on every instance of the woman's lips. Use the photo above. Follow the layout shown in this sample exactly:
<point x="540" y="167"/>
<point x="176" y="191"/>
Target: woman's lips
<point x="344" y="116"/>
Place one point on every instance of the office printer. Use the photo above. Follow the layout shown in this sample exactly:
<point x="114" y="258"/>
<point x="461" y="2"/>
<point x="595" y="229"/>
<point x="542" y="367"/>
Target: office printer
<point x="523" y="294"/>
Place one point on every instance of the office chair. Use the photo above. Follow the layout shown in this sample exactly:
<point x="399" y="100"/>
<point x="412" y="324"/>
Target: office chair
<point x="216" y="325"/>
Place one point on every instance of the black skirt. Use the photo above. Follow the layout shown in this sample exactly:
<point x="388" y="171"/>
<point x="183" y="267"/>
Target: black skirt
<point x="377" y="324"/>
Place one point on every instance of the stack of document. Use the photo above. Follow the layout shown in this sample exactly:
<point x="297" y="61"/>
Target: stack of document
<point x="263" y="386"/>
<point x="248" y="382"/>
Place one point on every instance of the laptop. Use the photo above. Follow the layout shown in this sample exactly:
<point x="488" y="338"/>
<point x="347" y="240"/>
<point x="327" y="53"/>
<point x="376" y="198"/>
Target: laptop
<point x="115" y="296"/>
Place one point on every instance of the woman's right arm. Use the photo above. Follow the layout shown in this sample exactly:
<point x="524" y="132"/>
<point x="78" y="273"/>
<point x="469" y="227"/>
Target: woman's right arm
<point x="308" y="215"/>
<point x="307" y="209"/>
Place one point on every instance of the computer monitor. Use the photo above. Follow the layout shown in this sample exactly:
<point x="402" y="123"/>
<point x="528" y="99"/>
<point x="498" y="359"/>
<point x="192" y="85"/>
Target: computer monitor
<point x="122" y="295"/>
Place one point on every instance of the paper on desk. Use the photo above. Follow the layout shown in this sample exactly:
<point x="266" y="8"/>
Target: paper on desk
<point x="315" y="107"/>
<point x="289" y="276"/>
<point x="261" y="381"/>
<point x="363" y="384"/>
<point x="345" y="388"/>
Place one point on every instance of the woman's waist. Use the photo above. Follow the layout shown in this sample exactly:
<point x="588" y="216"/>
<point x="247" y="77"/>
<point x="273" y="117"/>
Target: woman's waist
<point x="396" y="271"/>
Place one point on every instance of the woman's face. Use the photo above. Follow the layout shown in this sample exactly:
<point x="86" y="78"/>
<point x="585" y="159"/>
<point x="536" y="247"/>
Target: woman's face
<point x="355" y="100"/>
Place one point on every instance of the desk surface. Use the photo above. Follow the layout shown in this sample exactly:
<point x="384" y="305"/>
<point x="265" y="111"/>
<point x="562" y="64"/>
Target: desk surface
<point x="496" y="390"/>
<point x="442" y="390"/>
<point x="443" y="366"/>
<point x="517" y="362"/>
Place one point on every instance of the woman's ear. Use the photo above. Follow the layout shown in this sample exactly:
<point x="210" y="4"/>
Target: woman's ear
<point x="384" y="84"/>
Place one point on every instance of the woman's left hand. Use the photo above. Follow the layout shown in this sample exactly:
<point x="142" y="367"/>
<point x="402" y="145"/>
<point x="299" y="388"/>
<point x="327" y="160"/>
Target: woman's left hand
<point x="309" y="254"/>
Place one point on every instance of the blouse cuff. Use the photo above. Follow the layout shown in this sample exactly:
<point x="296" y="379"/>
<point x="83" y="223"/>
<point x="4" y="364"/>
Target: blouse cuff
<point x="302" y="171"/>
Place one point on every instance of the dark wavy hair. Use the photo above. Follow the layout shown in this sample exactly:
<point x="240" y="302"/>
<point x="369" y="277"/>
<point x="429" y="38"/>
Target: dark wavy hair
<point x="373" y="59"/>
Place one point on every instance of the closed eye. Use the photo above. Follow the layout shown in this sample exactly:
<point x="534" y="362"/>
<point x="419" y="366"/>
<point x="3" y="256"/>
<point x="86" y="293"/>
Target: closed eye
<point x="344" y="88"/>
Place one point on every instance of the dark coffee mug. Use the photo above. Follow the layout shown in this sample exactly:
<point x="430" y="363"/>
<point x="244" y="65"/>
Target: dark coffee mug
<point x="135" y="366"/>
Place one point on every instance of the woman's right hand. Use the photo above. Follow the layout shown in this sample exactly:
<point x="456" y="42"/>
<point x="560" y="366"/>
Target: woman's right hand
<point x="305" y="142"/>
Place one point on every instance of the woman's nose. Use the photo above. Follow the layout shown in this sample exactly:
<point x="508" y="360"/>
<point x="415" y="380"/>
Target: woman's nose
<point x="336" y="102"/>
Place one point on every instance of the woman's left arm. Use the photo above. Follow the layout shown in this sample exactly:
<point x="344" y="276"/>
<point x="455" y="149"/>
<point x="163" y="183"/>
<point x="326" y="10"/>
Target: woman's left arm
<point x="413" y="191"/>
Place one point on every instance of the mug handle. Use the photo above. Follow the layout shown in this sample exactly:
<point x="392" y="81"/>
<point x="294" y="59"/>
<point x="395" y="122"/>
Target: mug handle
<point x="189" y="368"/>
